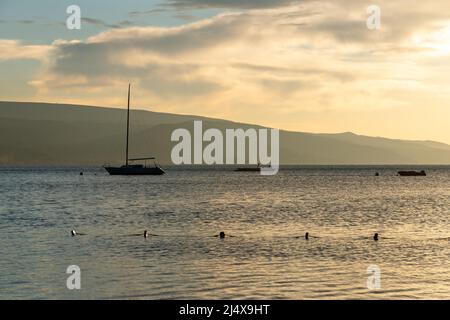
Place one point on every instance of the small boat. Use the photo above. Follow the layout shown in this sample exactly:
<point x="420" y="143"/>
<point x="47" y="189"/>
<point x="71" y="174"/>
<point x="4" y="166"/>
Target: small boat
<point x="412" y="173"/>
<point x="134" y="169"/>
<point x="252" y="169"/>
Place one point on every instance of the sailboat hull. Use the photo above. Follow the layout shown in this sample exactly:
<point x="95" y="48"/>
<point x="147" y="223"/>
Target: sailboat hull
<point x="248" y="169"/>
<point x="135" y="171"/>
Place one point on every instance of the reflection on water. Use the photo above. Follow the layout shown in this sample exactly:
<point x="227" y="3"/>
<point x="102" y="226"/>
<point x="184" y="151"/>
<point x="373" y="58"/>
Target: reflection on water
<point x="344" y="207"/>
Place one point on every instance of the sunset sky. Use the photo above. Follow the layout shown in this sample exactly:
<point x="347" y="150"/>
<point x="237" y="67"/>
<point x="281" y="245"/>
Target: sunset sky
<point x="300" y="65"/>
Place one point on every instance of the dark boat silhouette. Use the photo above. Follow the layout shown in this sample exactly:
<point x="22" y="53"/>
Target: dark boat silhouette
<point x="412" y="173"/>
<point x="252" y="169"/>
<point x="134" y="169"/>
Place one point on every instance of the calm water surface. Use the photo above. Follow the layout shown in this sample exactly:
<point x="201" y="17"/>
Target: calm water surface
<point x="186" y="208"/>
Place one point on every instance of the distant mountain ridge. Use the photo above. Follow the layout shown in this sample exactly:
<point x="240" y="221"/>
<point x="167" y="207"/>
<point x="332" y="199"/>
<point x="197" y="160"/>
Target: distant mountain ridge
<point x="59" y="134"/>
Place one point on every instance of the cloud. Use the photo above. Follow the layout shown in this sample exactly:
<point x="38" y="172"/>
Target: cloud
<point x="175" y="40"/>
<point x="284" y="87"/>
<point x="266" y="69"/>
<point x="15" y="50"/>
<point x="233" y="4"/>
<point x="215" y="54"/>
<point x="22" y="21"/>
<point x="99" y="22"/>
<point x="156" y="11"/>
<point x="25" y="21"/>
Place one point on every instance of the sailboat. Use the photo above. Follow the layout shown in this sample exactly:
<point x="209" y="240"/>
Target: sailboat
<point x="134" y="169"/>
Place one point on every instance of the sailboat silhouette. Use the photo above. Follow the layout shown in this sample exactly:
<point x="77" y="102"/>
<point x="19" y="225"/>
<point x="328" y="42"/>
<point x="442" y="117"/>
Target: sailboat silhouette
<point x="133" y="169"/>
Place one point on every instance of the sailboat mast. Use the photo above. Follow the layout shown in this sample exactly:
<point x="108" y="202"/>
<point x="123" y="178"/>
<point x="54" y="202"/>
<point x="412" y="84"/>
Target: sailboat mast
<point x="128" y="124"/>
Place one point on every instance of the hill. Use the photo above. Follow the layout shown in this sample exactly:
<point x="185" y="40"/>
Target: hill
<point x="58" y="134"/>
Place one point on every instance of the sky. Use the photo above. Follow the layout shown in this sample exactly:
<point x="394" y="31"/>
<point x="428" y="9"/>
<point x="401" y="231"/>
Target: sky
<point x="311" y="66"/>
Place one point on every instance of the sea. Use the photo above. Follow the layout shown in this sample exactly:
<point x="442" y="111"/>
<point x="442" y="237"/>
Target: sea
<point x="264" y="254"/>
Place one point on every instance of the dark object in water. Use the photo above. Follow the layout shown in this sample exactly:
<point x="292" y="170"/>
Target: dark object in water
<point x="222" y="235"/>
<point x="133" y="169"/>
<point x="307" y="236"/>
<point x="376" y="174"/>
<point x="411" y="173"/>
<point x="248" y="169"/>
<point x="375" y="237"/>
<point x="146" y="234"/>
<point x="252" y="169"/>
<point x="73" y="233"/>
<point x="81" y="173"/>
